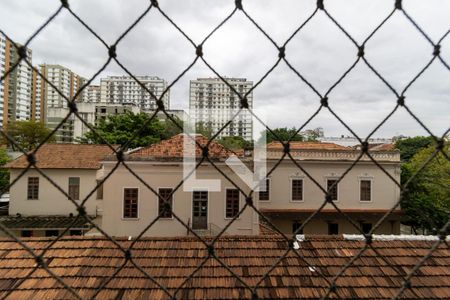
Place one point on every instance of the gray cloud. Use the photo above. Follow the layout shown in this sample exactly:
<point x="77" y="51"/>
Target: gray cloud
<point x="320" y="52"/>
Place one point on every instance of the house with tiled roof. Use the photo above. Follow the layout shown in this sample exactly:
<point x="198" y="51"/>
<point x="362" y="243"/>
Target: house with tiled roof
<point x="299" y="184"/>
<point x="131" y="204"/>
<point x="39" y="208"/>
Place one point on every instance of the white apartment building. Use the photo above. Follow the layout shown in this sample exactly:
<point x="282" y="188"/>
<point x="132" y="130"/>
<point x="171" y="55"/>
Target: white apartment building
<point x="16" y="88"/>
<point x="212" y="103"/>
<point x="124" y="89"/>
<point x="92" y="94"/>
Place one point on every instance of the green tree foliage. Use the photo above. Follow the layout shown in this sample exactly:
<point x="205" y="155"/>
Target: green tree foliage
<point x="170" y="128"/>
<point x="4" y="174"/>
<point x="283" y="134"/>
<point x="235" y="143"/>
<point x="204" y="129"/>
<point x="410" y="146"/>
<point x="27" y="134"/>
<point x="119" y="129"/>
<point x="427" y="202"/>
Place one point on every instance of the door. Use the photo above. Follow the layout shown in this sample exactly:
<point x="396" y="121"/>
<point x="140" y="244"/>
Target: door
<point x="200" y="210"/>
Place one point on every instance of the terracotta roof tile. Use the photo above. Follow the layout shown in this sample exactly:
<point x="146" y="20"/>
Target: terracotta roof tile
<point x="85" y="264"/>
<point x="174" y="147"/>
<point x="35" y="222"/>
<point x="297" y="145"/>
<point x="65" y="156"/>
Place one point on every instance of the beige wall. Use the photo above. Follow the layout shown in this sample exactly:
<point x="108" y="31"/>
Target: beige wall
<point x="167" y="176"/>
<point x="51" y="201"/>
<point x="320" y="226"/>
<point x="384" y="191"/>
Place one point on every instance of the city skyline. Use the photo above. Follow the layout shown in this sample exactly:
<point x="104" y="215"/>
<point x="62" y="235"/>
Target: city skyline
<point x="370" y="100"/>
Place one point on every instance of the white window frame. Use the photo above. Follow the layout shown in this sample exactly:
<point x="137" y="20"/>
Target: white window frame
<point x="123" y="203"/>
<point x="225" y="203"/>
<point x="157" y="203"/>
<point x="290" y="189"/>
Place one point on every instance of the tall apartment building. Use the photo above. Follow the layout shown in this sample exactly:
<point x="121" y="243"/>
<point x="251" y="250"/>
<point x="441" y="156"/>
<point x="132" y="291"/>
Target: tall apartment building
<point x="16" y="88"/>
<point x="212" y="103"/>
<point x="92" y="94"/>
<point x="64" y="79"/>
<point x="52" y="107"/>
<point x="124" y="89"/>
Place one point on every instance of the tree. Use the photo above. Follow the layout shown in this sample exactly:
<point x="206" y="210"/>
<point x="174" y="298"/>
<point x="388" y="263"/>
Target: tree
<point x="27" y="134"/>
<point x="235" y="143"/>
<point x="119" y="129"/>
<point x="4" y="173"/>
<point x="204" y="129"/>
<point x="283" y="134"/>
<point x="410" y="146"/>
<point x="427" y="202"/>
<point x="170" y="128"/>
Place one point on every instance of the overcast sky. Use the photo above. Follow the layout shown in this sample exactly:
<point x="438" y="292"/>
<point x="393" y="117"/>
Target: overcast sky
<point x="320" y="52"/>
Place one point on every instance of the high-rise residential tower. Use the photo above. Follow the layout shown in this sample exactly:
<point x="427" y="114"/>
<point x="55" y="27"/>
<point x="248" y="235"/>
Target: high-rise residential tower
<point x="16" y="88"/>
<point x="212" y="103"/>
<point x="124" y="89"/>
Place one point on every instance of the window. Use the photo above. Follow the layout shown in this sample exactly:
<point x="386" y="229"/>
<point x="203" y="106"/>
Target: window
<point x="366" y="227"/>
<point x="162" y="198"/>
<point x="333" y="228"/>
<point x="99" y="195"/>
<point x="49" y="233"/>
<point x="130" y="203"/>
<point x="232" y="203"/>
<point x="33" y="188"/>
<point x="295" y="226"/>
<point x="264" y="195"/>
<point x="76" y="232"/>
<point x="333" y="191"/>
<point x="297" y="190"/>
<point x="365" y="190"/>
<point x="74" y="188"/>
<point x="27" y="233"/>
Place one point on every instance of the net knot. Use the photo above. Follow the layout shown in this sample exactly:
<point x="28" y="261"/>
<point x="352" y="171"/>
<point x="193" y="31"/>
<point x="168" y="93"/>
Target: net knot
<point x="398" y="4"/>
<point x="401" y="100"/>
<point x="112" y="51"/>
<point x="160" y="104"/>
<point x="31" y="158"/>
<point x="155" y="3"/>
<point x="199" y="50"/>
<point x="324" y="101"/>
<point x="238" y="4"/>
<point x="65" y="3"/>
<point x="320" y="4"/>
<point x="22" y="52"/>
<point x="73" y="107"/>
<point x="361" y="51"/>
<point x="244" y="103"/>
<point x="281" y="52"/>
<point x="437" y="50"/>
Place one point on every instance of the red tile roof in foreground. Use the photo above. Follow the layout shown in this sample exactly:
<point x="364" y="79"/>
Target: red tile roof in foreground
<point x="86" y="263"/>
<point x="174" y="147"/>
<point x="65" y="156"/>
<point x="297" y="145"/>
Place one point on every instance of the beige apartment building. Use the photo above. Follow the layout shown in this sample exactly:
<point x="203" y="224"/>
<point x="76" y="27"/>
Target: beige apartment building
<point x="38" y="208"/>
<point x="126" y="204"/>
